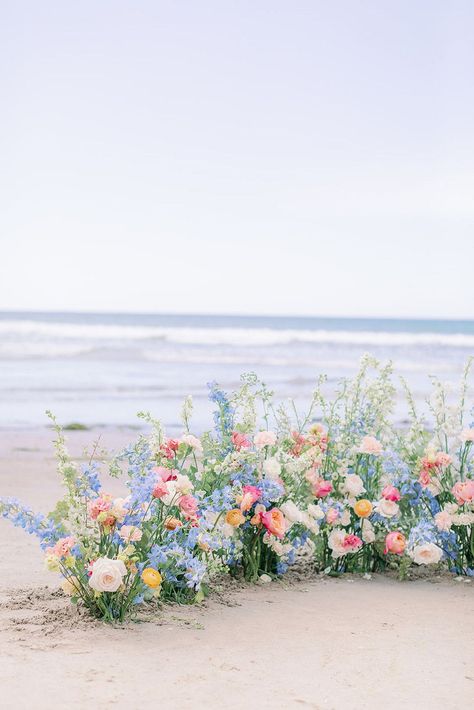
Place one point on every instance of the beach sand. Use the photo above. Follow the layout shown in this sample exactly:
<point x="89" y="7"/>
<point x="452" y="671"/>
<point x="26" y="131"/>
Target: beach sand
<point x="321" y="643"/>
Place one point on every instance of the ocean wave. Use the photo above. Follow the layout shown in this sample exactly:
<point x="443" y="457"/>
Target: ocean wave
<point x="32" y="331"/>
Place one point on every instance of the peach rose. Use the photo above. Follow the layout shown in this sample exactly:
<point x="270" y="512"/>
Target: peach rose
<point x="463" y="491"/>
<point x="395" y="543"/>
<point x="234" y="517"/>
<point x="275" y="522"/>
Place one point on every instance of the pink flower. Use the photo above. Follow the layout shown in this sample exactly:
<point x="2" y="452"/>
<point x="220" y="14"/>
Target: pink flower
<point x="391" y="493"/>
<point x="160" y="489"/>
<point x="250" y="495"/>
<point x="467" y="435"/>
<point x="321" y="488"/>
<point x="424" y="478"/>
<point x="166" y="474"/>
<point x="275" y="522"/>
<point x="100" y="505"/>
<point x="130" y="533"/>
<point x="62" y="547"/>
<point x="351" y="542"/>
<point x="331" y="515"/>
<point x="443" y="459"/>
<point x="443" y="520"/>
<point x="264" y="438"/>
<point x="371" y="446"/>
<point x="240" y="441"/>
<point x="395" y="543"/>
<point x="188" y="506"/>
<point x="169" y="448"/>
<point x="463" y="491"/>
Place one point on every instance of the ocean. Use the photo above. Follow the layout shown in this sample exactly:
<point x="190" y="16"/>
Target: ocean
<point x="101" y="369"/>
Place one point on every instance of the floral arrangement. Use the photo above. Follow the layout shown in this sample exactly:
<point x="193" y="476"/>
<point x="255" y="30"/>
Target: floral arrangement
<point x="340" y="489"/>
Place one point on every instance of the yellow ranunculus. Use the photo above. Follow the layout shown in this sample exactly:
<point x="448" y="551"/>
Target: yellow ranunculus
<point x="363" y="508"/>
<point x="151" y="577"/>
<point x="51" y="563"/>
<point x="234" y="517"/>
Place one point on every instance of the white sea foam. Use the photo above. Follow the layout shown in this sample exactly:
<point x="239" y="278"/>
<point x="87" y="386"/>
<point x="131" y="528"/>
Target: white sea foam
<point x="28" y="331"/>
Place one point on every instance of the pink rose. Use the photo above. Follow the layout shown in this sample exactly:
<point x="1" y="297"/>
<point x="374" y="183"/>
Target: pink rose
<point x="275" y="522"/>
<point x="395" y="543"/>
<point x="321" y="488"/>
<point x="188" y="506"/>
<point x="463" y="491"/>
<point x="240" y="441"/>
<point x="62" y="547"/>
<point x="391" y="493"/>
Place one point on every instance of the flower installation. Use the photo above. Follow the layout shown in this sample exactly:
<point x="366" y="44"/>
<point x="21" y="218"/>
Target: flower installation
<point x="340" y="489"/>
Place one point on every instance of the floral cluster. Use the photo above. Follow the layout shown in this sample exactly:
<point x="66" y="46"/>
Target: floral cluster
<point x="340" y="488"/>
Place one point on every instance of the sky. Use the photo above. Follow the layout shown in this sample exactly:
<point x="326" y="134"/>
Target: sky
<point x="248" y="156"/>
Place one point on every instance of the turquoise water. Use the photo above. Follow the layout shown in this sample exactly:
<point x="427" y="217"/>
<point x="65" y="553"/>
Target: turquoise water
<point x="103" y="368"/>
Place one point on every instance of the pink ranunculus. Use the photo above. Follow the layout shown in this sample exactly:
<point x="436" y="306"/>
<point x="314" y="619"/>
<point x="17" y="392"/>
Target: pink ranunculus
<point x="321" y="488"/>
<point x="395" y="543"/>
<point x="463" y="491"/>
<point x="250" y="495"/>
<point x="100" y="505"/>
<point x="188" y="506"/>
<point x="352" y="542"/>
<point x="240" y="441"/>
<point x="166" y="474"/>
<point x="391" y="493"/>
<point x="274" y="521"/>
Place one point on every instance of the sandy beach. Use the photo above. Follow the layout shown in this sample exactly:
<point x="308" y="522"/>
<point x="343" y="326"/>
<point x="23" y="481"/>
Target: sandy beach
<point x="320" y="643"/>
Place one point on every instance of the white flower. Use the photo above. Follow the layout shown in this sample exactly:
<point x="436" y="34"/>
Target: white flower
<point x="353" y="485"/>
<point x="130" y="533"/>
<point x="345" y="518"/>
<point x="335" y="542"/>
<point x="120" y="508"/>
<point x="183" y="484"/>
<point x="192" y="441"/>
<point x="291" y="512"/>
<point x="316" y="511"/>
<point x="370" y="445"/>
<point x="426" y="554"/>
<point x="309" y="523"/>
<point x="467" y="435"/>
<point x="264" y="579"/>
<point x="387" y="508"/>
<point x="264" y="438"/>
<point x="272" y="468"/>
<point x="107" y="574"/>
<point x="443" y="520"/>
<point x="368" y="534"/>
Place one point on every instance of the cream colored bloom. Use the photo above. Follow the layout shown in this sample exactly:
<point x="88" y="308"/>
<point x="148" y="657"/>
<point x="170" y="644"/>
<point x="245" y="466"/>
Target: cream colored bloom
<point x="107" y="574"/>
<point x="353" y="485"/>
<point x="387" y="508"/>
<point x="272" y="468"/>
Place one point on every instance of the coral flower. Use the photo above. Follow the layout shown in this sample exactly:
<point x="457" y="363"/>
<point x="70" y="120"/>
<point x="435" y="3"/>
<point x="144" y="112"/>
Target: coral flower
<point x="234" y="517"/>
<point x="275" y="522"/>
<point x="240" y="441"/>
<point x="321" y="488"/>
<point x="250" y="496"/>
<point x="395" y="542"/>
<point x="172" y="523"/>
<point x="463" y="491"/>
<point x="351" y="543"/>
<point x="363" y="508"/>
<point x="151" y="577"/>
<point x="188" y="505"/>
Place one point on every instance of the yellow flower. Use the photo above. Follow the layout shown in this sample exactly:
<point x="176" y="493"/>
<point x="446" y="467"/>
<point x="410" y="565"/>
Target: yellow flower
<point x="363" y="508"/>
<point x="234" y="517"/>
<point x="151" y="577"/>
<point x="51" y="563"/>
<point x="70" y="586"/>
<point x="70" y="561"/>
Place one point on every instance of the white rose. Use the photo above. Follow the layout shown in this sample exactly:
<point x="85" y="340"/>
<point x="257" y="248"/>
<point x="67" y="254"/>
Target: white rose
<point x="353" y="485"/>
<point x="192" y="441"/>
<point x="272" y="468"/>
<point x="427" y="554"/>
<point x="386" y="508"/>
<point x="107" y="574"/>
<point x="291" y="511"/>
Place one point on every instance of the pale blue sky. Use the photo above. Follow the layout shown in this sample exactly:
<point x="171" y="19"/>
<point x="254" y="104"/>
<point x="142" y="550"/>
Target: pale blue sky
<point x="245" y="157"/>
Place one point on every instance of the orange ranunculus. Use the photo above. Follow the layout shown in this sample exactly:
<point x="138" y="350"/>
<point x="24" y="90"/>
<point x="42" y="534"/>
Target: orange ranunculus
<point x="234" y="517"/>
<point x="363" y="508"/>
<point x="172" y="523"/>
<point x="151" y="577"/>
